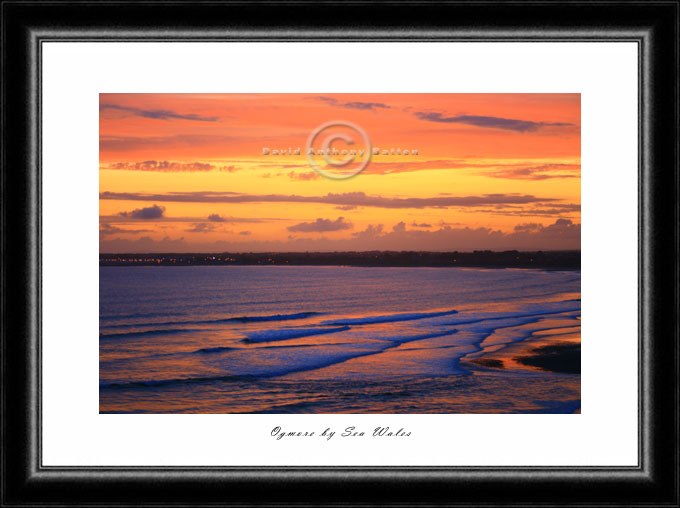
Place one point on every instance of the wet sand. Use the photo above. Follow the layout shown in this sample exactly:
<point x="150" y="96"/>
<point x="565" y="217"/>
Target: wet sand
<point x="545" y="350"/>
<point x="563" y="358"/>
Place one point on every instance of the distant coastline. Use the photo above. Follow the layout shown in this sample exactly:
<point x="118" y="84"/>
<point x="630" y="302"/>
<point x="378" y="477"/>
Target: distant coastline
<point x="556" y="260"/>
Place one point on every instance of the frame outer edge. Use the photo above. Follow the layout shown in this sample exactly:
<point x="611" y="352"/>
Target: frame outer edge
<point x="24" y="228"/>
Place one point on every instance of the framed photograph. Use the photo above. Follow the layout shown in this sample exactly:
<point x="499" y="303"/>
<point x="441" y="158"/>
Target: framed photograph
<point x="350" y="254"/>
<point x="365" y="308"/>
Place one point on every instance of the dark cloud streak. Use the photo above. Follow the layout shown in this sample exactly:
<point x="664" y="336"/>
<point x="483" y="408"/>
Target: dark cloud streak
<point x="158" y="114"/>
<point x="367" y="106"/>
<point x="346" y="199"/>
<point x="490" y="122"/>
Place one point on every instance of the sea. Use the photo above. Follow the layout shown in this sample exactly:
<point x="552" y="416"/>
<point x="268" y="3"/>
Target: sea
<point x="333" y="339"/>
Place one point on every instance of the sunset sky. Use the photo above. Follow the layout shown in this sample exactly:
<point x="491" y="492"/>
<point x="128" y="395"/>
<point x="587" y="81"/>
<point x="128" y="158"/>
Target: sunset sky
<point x="187" y="173"/>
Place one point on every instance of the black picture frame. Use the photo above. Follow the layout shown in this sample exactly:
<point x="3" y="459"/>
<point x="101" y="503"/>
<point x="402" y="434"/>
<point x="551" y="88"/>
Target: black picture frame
<point x="653" y="25"/>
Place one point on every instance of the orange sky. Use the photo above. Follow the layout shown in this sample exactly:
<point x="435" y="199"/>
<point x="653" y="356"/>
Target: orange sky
<point x="187" y="173"/>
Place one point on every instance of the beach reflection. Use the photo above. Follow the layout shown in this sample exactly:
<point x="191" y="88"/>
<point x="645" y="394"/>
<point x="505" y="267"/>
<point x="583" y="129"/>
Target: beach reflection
<point x="513" y="345"/>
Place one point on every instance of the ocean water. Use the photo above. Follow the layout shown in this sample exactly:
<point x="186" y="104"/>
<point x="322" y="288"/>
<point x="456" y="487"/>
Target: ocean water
<point x="307" y="339"/>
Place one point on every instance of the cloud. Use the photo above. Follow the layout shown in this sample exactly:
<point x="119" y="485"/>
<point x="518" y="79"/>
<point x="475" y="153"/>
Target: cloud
<point x="399" y="228"/>
<point x="422" y="225"/>
<point x="567" y="207"/>
<point x="346" y="199"/>
<point x="346" y="208"/>
<point x="321" y="225"/>
<point x="201" y="227"/>
<point x="368" y="106"/>
<point x="365" y="105"/>
<point x="554" y="210"/>
<point x="244" y="233"/>
<point x="230" y="169"/>
<point x="158" y="114"/>
<point x="144" y="244"/>
<point x="309" y="175"/>
<point x="153" y="165"/>
<point x="563" y="234"/>
<point x="561" y="225"/>
<point x="490" y="122"/>
<point x="371" y="231"/>
<point x="151" y="212"/>
<point x="528" y="227"/>
<point x="126" y="219"/>
<point x="542" y="172"/>
<point x="106" y="229"/>
<point x="125" y="143"/>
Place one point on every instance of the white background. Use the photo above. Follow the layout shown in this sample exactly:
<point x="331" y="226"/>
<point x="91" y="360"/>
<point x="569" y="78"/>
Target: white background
<point x="73" y="76"/>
